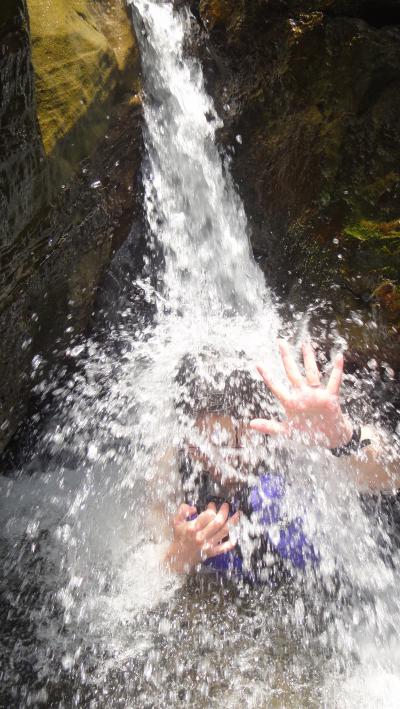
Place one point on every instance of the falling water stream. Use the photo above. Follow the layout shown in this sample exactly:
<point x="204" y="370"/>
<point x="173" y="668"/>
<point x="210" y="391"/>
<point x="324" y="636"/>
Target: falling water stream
<point x="90" y="617"/>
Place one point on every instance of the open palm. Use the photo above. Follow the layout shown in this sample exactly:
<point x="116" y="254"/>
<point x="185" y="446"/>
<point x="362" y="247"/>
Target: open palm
<point x="311" y="409"/>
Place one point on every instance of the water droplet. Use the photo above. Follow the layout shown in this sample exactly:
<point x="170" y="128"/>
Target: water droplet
<point x="26" y="343"/>
<point x="67" y="662"/>
<point x="92" y="452"/>
<point x="76" y="351"/>
<point x="36" y="362"/>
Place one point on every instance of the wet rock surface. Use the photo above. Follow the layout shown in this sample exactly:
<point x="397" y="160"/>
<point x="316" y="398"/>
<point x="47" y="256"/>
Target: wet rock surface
<point x="310" y="97"/>
<point x="85" y="58"/>
<point x="70" y="137"/>
<point x="22" y="173"/>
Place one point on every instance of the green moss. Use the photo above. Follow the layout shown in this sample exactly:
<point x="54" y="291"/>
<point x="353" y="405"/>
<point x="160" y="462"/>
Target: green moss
<point x="368" y="231"/>
<point x="373" y="252"/>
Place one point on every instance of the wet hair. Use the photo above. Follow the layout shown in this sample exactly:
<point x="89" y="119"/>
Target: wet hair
<point x="202" y="389"/>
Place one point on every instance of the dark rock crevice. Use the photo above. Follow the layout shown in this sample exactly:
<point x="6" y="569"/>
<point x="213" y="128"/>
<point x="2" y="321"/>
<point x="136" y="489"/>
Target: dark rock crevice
<point x="376" y="13"/>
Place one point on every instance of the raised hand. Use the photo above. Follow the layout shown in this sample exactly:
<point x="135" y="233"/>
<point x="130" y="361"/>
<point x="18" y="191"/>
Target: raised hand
<point x="310" y="408"/>
<point x="195" y="540"/>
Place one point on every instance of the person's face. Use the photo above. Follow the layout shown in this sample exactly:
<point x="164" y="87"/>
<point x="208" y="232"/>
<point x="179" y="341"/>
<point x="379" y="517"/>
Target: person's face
<point x="224" y="447"/>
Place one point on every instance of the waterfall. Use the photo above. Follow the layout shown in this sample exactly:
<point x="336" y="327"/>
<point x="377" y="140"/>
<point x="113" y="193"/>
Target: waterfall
<point x="91" y="611"/>
<point x="193" y="210"/>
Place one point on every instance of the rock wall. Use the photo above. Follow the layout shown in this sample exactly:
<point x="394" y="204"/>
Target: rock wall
<point x="70" y="142"/>
<point x="310" y="96"/>
<point x="22" y="173"/>
<point x="83" y="55"/>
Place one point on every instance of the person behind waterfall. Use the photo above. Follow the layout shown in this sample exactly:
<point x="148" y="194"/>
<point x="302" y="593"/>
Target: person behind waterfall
<point x="224" y="477"/>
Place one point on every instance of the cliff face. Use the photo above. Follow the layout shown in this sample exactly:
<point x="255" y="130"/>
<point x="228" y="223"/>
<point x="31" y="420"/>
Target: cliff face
<point x="310" y="95"/>
<point x="70" y="152"/>
<point x="22" y="174"/>
<point x="84" y="58"/>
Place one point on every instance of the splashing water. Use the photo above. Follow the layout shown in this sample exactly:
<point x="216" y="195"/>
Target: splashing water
<point x="90" y="617"/>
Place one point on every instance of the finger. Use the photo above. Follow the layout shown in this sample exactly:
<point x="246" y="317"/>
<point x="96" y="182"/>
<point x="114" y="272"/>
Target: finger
<point x="223" y="532"/>
<point x="335" y="379"/>
<point x="215" y="525"/>
<point x="212" y="506"/>
<point x="310" y="365"/>
<point x="278" y="390"/>
<point x="201" y="521"/>
<point x="234" y="519"/>
<point x="270" y="427"/>
<point x="291" y="368"/>
<point x="220" y="549"/>
<point x="184" y="512"/>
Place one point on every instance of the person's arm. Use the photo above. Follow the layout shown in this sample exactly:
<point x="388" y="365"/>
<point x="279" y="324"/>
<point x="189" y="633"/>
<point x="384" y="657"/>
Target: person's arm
<point x="314" y="411"/>
<point x="375" y="467"/>
<point x="164" y="491"/>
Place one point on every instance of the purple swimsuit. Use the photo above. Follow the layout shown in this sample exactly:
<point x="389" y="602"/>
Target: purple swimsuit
<point x="291" y="546"/>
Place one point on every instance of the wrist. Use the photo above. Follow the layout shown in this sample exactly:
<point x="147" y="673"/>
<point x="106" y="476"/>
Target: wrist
<point x="346" y="430"/>
<point x="354" y="444"/>
<point x="342" y="433"/>
<point x="178" y="559"/>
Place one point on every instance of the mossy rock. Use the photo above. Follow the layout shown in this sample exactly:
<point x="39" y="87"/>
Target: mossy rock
<point x="387" y="294"/>
<point x="84" y="54"/>
<point x="373" y="250"/>
<point x="221" y="14"/>
<point x="376" y="232"/>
